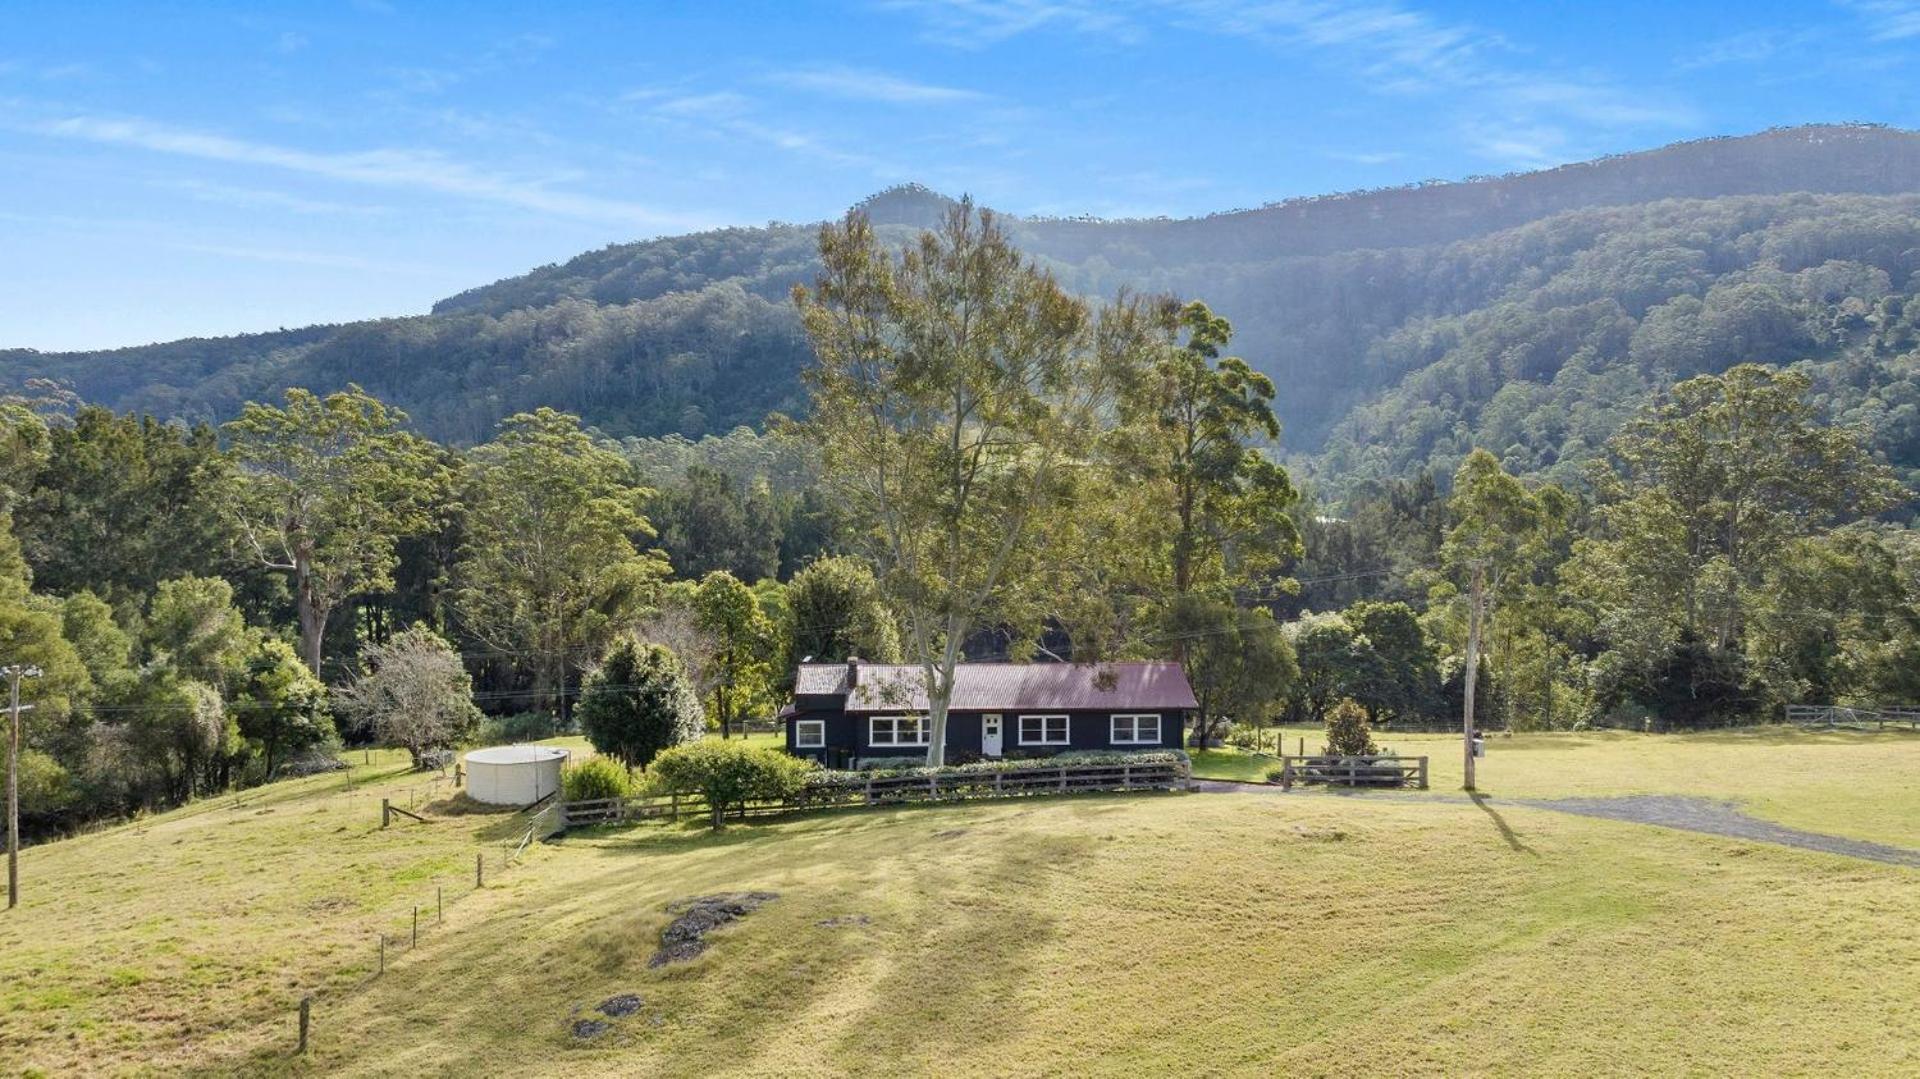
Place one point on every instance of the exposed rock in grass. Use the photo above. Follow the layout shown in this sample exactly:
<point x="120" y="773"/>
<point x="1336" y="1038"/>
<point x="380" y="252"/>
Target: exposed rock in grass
<point x="621" y="1006"/>
<point x="587" y="1029"/>
<point x="685" y="936"/>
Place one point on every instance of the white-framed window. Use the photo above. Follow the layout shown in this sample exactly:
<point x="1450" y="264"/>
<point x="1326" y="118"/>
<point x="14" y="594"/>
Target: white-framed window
<point x="809" y="733"/>
<point x="897" y="731"/>
<point x="1130" y="729"/>
<point x="1043" y="730"/>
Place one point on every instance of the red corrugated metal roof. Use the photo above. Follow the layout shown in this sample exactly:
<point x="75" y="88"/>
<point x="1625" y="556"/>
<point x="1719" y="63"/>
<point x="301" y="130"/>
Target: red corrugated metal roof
<point x="985" y="687"/>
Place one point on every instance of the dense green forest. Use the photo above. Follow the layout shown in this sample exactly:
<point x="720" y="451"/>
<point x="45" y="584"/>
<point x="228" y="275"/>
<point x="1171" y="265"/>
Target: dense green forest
<point x="1529" y="314"/>
<point x="1670" y="444"/>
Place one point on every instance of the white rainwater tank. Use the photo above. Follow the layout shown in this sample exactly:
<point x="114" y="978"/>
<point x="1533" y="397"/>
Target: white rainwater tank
<point x="514" y="775"/>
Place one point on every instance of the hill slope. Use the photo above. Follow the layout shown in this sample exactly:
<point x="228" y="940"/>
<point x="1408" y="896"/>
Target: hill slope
<point x="1107" y="934"/>
<point x="1364" y="306"/>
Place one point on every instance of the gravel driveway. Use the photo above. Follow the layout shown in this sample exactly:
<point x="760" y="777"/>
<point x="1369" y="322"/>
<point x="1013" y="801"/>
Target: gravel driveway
<point x="1703" y="815"/>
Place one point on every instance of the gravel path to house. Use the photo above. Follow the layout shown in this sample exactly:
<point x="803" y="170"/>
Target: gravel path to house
<point x="1704" y="815"/>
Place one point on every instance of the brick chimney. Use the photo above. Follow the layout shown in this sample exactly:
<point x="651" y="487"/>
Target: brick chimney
<point x="853" y="672"/>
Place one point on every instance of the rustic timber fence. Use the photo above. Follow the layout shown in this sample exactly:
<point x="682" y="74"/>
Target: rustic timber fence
<point x="1376" y="771"/>
<point x="846" y="790"/>
<point x="1833" y="716"/>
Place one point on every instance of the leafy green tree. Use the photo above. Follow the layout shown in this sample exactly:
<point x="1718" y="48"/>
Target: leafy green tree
<point x="1326" y="651"/>
<point x="331" y="484"/>
<point x="730" y="774"/>
<point x="710" y="521"/>
<point x="638" y="703"/>
<point x="838" y="612"/>
<point x="1495" y="533"/>
<point x="181" y="730"/>
<point x="413" y="692"/>
<point x="280" y="706"/>
<point x="1703" y="500"/>
<point x="956" y="390"/>
<point x="193" y="627"/>
<point x="1400" y="675"/>
<point x="1239" y="661"/>
<point x="743" y="646"/>
<point x="1188" y="420"/>
<point x="549" y="571"/>
<point x="122" y="503"/>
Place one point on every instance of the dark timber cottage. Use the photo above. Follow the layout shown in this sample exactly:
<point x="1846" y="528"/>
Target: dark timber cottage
<point x="843" y="712"/>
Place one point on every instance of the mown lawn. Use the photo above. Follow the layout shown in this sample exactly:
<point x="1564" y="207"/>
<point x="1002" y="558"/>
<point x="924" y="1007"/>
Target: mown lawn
<point x="1191" y="934"/>
<point x="1254" y="933"/>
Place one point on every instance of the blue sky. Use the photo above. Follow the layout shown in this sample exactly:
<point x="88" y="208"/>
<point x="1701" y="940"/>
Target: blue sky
<point x="195" y="169"/>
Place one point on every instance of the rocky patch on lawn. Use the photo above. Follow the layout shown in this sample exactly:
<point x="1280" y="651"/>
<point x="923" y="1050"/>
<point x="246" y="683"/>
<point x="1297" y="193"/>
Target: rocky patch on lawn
<point x="618" y="1006"/>
<point x="685" y="936"/>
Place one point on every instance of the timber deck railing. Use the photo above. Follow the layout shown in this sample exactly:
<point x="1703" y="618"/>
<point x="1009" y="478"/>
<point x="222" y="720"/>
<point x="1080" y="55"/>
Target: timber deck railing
<point x="1375" y="771"/>
<point x="849" y="790"/>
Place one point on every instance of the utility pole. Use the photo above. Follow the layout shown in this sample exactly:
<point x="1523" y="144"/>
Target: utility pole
<point x="1476" y="592"/>
<point x="14" y="672"/>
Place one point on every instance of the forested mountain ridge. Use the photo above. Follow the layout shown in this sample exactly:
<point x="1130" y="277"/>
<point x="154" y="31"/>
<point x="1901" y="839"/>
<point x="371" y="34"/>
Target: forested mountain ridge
<point x="1526" y="313"/>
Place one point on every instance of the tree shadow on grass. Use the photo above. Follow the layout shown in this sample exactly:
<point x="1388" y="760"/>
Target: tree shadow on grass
<point x="1506" y="831"/>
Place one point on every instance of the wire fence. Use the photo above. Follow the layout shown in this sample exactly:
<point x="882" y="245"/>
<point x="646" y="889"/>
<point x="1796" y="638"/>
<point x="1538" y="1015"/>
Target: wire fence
<point x="399" y="928"/>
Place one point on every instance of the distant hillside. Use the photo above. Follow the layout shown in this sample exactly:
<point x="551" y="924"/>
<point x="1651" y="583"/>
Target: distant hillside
<point x="1402" y="324"/>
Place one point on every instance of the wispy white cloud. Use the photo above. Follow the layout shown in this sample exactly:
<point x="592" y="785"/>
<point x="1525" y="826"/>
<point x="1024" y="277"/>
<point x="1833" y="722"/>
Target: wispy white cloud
<point x="410" y="169"/>
<point x="1888" y="20"/>
<point x="854" y="84"/>
<point x="261" y="198"/>
<point x="1366" y="157"/>
<point x="1486" y="81"/>
<point x="973" y="24"/>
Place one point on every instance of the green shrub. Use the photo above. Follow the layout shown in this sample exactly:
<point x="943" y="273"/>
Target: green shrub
<point x="596" y="778"/>
<point x="518" y="727"/>
<point x="638" y="703"/>
<point x="730" y="773"/>
<point x="1347" y="732"/>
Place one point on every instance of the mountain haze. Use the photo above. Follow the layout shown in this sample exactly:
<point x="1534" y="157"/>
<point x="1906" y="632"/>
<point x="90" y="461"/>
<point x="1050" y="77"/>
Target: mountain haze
<point x="1527" y="313"/>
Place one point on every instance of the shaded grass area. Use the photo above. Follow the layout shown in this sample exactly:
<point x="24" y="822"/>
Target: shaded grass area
<point x="1233" y="765"/>
<point x="1197" y="934"/>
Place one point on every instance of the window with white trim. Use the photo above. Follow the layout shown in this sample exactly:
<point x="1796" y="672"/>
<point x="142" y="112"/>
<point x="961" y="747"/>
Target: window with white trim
<point x="809" y="734"/>
<point x="1043" y="730"/>
<point x="1142" y="729"/>
<point x="897" y="731"/>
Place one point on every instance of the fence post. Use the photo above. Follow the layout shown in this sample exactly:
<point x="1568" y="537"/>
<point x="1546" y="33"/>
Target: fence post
<point x="1126" y="777"/>
<point x="479" y="870"/>
<point x="1301" y="749"/>
<point x="869" y="789"/>
<point x="416" y="926"/>
<point x="676" y="806"/>
<point x="1063" y="777"/>
<point x="997" y="777"/>
<point x="1423" y="773"/>
<point x="386" y="812"/>
<point x="439" y="904"/>
<point x="383" y="955"/>
<point x="306" y="1017"/>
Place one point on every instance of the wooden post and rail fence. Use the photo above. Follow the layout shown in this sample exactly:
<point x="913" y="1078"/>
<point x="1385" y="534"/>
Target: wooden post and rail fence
<point x="1374" y="771"/>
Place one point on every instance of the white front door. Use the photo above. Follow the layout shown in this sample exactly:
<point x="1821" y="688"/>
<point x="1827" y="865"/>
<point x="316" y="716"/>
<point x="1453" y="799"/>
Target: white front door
<point x="990" y="736"/>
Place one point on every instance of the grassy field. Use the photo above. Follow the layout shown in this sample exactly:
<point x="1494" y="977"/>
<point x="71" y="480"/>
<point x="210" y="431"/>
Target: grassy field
<point x="1209" y="933"/>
